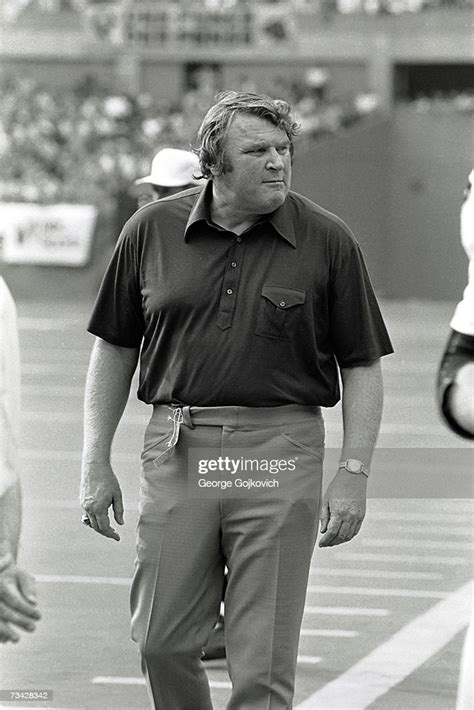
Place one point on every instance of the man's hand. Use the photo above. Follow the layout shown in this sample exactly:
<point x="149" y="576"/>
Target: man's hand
<point x="343" y="508"/>
<point x="17" y="603"/>
<point x="99" y="490"/>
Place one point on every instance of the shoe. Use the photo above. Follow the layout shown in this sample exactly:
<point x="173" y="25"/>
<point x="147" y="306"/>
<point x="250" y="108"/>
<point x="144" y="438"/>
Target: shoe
<point x="215" y="647"/>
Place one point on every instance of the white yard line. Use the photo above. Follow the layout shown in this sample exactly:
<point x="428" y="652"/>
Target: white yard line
<point x="373" y="574"/>
<point x="131" y="680"/>
<point x="425" y="532"/>
<point x="416" y="544"/>
<point x="446" y="518"/>
<point x="375" y="592"/>
<point x="330" y="633"/>
<point x="345" y="611"/>
<point x="81" y="579"/>
<point x="393" y="557"/>
<point x="393" y="661"/>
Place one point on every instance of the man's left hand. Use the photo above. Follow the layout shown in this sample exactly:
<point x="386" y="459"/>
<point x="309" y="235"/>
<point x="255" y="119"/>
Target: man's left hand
<point x="343" y="508"/>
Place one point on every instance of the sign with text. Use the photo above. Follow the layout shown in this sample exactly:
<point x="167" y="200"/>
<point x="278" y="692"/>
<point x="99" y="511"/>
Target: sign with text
<point x="58" y="235"/>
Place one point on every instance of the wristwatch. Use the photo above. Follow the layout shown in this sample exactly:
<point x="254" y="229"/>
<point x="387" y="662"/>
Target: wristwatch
<point x="354" y="466"/>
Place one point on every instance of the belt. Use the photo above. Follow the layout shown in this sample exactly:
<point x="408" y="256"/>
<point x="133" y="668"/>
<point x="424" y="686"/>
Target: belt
<point x="235" y="416"/>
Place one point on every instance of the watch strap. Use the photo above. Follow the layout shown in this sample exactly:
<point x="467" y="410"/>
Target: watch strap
<point x="362" y="469"/>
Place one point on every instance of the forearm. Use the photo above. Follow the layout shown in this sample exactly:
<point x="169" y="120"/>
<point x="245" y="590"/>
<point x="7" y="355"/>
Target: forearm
<point x="10" y="520"/>
<point x="106" y="393"/>
<point x="362" y="402"/>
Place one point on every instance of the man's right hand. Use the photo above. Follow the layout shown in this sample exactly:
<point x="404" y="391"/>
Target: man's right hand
<point x="99" y="490"/>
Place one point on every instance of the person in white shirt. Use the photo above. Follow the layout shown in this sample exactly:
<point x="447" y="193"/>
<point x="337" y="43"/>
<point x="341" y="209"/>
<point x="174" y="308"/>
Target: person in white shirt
<point x="18" y="605"/>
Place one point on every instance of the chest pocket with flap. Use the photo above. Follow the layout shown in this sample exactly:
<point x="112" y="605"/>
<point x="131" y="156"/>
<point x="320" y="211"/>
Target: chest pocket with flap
<point x="279" y="309"/>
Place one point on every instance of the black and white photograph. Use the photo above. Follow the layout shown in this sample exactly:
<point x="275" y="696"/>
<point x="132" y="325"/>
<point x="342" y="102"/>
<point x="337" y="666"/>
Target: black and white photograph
<point x="236" y="354"/>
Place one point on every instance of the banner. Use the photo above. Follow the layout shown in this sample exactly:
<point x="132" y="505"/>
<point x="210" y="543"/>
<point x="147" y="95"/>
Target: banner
<point x="58" y="235"/>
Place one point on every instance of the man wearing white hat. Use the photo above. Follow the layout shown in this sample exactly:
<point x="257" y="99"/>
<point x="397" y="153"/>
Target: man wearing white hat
<point x="172" y="170"/>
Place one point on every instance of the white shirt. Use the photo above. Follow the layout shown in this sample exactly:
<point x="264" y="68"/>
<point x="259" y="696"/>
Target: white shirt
<point x="463" y="319"/>
<point x="9" y="389"/>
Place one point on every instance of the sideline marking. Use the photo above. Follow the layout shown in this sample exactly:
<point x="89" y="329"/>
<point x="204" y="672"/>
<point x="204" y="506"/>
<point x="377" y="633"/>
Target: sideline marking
<point x="381" y="574"/>
<point x="81" y="579"/>
<point x="437" y="518"/>
<point x="123" y="680"/>
<point x="66" y="504"/>
<point x="392" y="661"/>
<point x="331" y="633"/>
<point x="345" y="611"/>
<point x="128" y="680"/>
<point x="424" y="529"/>
<point x="418" y="544"/>
<point x="388" y="557"/>
<point x="387" y="592"/>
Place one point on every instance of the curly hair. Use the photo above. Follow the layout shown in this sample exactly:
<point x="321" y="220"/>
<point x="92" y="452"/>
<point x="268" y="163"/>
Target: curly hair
<point x="213" y="129"/>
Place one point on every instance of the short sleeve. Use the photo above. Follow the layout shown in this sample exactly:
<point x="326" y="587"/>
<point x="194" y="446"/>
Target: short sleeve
<point x="357" y="330"/>
<point x="117" y="316"/>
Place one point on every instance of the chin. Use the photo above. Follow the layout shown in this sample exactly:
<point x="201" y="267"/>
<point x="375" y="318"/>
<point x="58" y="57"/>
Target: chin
<point x="273" y="202"/>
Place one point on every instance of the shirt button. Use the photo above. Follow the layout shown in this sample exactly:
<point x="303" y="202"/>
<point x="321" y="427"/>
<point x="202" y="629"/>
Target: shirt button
<point x="239" y="239"/>
<point x="282" y="304"/>
<point x="234" y="264"/>
<point x="229" y="291"/>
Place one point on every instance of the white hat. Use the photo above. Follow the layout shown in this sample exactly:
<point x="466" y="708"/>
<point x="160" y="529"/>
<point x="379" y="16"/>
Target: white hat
<point x="172" y="168"/>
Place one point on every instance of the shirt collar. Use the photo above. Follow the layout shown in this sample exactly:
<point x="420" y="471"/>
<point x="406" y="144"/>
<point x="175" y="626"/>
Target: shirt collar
<point x="281" y="220"/>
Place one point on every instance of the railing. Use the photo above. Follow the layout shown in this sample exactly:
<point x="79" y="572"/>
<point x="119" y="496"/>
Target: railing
<point x="151" y="25"/>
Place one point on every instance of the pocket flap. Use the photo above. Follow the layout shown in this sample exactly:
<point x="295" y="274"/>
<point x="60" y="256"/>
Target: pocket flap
<point x="284" y="297"/>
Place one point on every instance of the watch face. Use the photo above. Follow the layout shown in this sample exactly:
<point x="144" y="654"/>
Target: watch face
<point x="353" y="466"/>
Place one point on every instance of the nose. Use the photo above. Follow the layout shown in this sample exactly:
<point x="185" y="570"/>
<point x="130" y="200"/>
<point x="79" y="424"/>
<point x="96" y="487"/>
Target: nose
<point x="275" y="160"/>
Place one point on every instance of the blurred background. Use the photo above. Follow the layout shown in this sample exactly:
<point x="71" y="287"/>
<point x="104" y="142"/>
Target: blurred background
<point x="91" y="89"/>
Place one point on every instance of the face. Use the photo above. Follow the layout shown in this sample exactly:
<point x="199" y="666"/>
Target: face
<point x="258" y="173"/>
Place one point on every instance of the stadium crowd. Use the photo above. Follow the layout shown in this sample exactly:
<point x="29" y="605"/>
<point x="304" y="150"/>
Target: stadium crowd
<point x="89" y="144"/>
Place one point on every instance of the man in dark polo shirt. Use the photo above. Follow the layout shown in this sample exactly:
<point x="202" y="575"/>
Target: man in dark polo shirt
<point x="244" y="302"/>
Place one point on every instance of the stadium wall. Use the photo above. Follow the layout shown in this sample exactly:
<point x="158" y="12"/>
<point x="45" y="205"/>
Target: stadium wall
<point x="347" y="174"/>
<point x="430" y="160"/>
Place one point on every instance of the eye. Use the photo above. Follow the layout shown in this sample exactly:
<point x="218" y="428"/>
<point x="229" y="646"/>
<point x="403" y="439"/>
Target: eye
<point x="283" y="150"/>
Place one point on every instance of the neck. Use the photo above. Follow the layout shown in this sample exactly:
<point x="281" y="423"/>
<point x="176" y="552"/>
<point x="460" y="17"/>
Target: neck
<point x="226" y="214"/>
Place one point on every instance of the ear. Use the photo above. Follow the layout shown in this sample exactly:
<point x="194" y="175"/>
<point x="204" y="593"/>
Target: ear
<point x="214" y="170"/>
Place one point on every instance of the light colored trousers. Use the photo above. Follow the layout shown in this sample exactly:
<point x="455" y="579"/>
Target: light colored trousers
<point x="186" y="536"/>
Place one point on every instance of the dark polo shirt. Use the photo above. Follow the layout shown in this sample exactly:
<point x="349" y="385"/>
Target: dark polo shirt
<point x="259" y="319"/>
